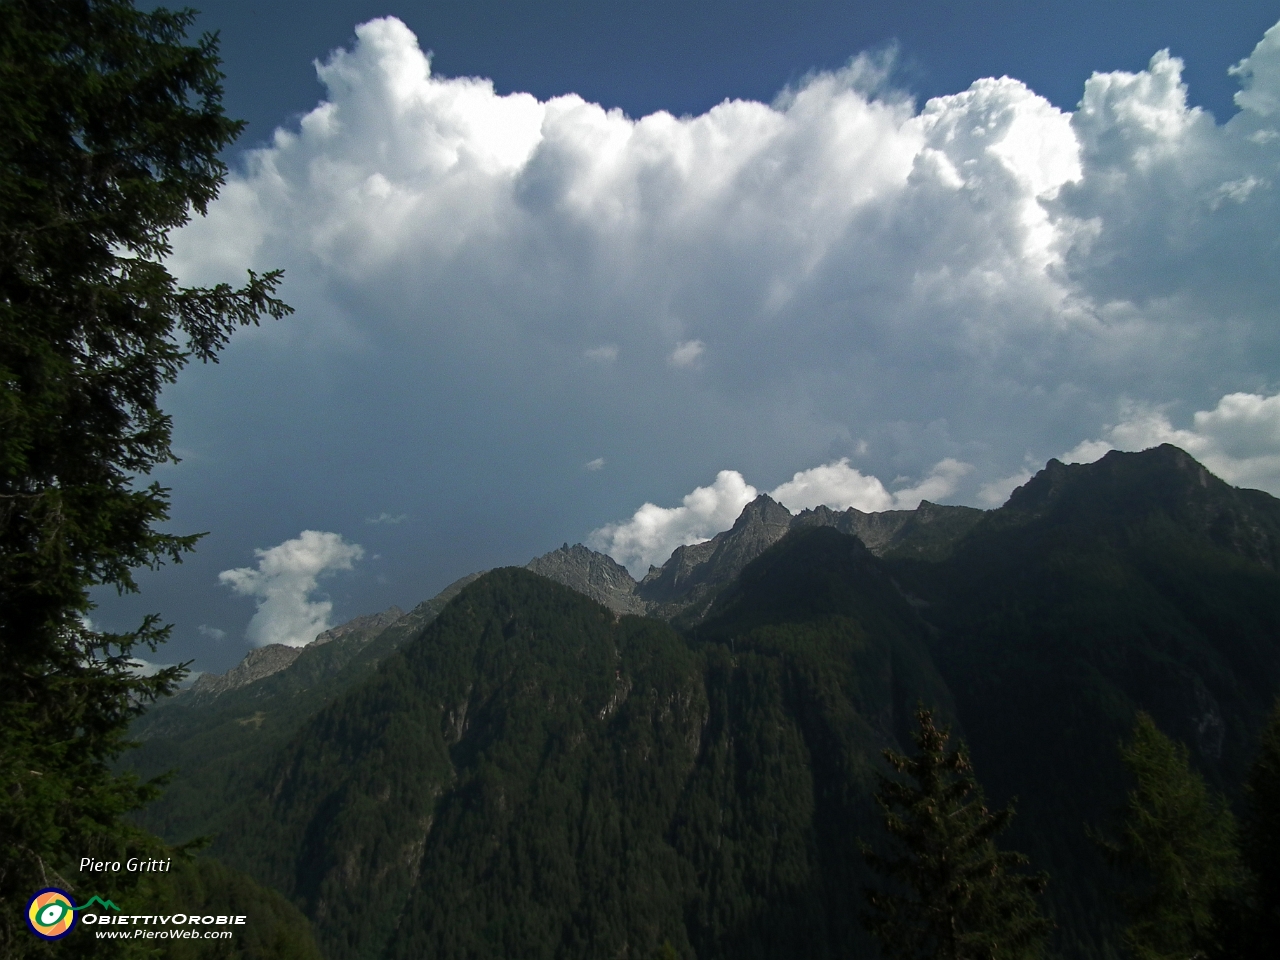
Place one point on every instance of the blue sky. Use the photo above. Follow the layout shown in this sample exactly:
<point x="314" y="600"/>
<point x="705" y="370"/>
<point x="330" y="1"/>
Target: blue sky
<point x="685" y="57"/>
<point x="602" y="272"/>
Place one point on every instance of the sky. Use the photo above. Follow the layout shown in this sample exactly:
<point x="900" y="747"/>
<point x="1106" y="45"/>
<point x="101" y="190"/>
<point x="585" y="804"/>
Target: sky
<point x="604" y="272"/>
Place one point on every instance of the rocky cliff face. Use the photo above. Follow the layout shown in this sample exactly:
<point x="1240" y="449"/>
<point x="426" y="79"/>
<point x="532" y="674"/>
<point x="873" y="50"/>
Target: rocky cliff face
<point x="688" y="582"/>
<point x="875" y="530"/>
<point x="373" y="621"/>
<point x="597" y="576"/>
<point x="925" y="533"/>
<point x="694" y="574"/>
<point x="265" y="661"/>
<point x="256" y="665"/>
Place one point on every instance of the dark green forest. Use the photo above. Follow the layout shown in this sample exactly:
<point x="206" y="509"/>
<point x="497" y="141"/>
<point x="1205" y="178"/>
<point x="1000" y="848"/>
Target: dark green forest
<point x="113" y="131"/>
<point x="528" y="774"/>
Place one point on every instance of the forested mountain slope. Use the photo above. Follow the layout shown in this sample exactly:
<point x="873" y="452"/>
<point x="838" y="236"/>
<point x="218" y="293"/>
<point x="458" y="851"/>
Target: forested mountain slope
<point x="1140" y="582"/>
<point x="532" y="775"/>
<point x="224" y="727"/>
<point x="217" y="739"/>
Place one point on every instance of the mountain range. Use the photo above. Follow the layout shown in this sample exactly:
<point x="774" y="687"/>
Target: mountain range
<point x="559" y="761"/>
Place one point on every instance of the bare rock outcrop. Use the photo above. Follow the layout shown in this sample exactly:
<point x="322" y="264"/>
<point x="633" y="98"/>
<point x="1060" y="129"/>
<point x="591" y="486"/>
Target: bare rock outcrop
<point x="256" y="665"/>
<point x="596" y="575"/>
<point x="263" y="662"/>
<point x="370" y="622"/>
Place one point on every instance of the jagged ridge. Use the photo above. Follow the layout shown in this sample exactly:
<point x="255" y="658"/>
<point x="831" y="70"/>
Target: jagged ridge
<point x="685" y="586"/>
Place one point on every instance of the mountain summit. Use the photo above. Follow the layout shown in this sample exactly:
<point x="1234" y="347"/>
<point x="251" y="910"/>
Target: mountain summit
<point x="688" y="582"/>
<point x="1164" y="481"/>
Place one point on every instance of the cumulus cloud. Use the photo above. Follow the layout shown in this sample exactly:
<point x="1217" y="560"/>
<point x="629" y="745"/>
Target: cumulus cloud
<point x="286" y="577"/>
<point x="840" y="486"/>
<point x="1239" y="439"/>
<point x="837" y="485"/>
<point x="399" y="166"/>
<point x="987" y="230"/>
<point x="972" y="277"/>
<point x="995" y="492"/>
<point x="559" y="219"/>
<point x="653" y="532"/>
<point x="940" y="483"/>
<point x="1259" y="74"/>
<point x="596" y="464"/>
<point x="211" y="633"/>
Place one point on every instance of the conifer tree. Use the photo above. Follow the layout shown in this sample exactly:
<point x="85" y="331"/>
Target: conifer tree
<point x="112" y="131"/>
<point x="1250" y="927"/>
<point x="1177" y="846"/>
<point x="953" y="895"/>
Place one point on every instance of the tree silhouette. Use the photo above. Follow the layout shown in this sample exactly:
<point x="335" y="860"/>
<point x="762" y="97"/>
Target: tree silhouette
<point x="1177" y="846"/>
<point x="113" y="127"/>
<point x="1261" y="838"/>
<point x="952" y="894"/>
<point x="1249" y="925"/>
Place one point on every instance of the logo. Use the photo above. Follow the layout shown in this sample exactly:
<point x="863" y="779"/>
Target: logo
<point x="50" y="914"/>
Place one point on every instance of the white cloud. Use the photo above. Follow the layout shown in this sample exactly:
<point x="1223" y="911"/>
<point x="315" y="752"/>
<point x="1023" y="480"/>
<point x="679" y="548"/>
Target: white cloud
<point x="145" y="668"/>
<point x="388" y="519"/>
<point x="559" y="218"/>
<point x="996" y="492"/>
<point x="596" y="464"/>
<point x="1260" y="76"/>
<point x="571" y="215"/>
<point x="836" y="485"/>
<point x="840" y="486"/>
<point x="941" y="482"/>
<point x="1237" y="191"/>
<point x="686" y="354"/>
<point x="1239" y="439"/>
<point x="286" y="577"/>
<point x="653" y="532"/>
<point x="979" y="275"/>
<point x="988" y="230"/>
<point x="211" y="633"/>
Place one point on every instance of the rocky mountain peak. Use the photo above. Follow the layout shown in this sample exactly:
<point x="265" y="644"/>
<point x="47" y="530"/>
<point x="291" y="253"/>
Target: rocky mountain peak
<point x="1163" y="480"/>
<point x="274" y="657"/>
<point x="596" y="575"/>
<point x="696" y="570"/>
<point x="371" y="621"/>
<point x="763" y="510"/>
<point x="1163" y="477"/>
<point x="259" y="663"/>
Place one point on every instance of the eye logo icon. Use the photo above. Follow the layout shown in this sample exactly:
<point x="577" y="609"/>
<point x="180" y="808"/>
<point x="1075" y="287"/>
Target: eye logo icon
<point x="50" y="914"/>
